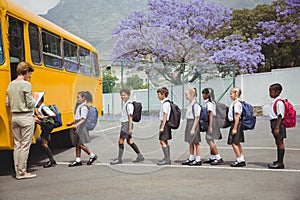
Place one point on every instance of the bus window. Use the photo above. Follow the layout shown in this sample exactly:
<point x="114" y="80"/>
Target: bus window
<point x="34" y="38"/>
<point x="95" y="65"/>
<point x="51" y="50"/>
<point x="85" y="62"/>
<point x="16" y="44"/>
<point x="1" y="47"/>
<point x="70" y="56"/>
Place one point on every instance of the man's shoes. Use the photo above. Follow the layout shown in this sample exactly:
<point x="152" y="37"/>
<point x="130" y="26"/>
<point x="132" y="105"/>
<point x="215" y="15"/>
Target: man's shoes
<point x="238" y="164"/>
<point x="91" y="160"/>
<point x="187" y="162"/>
<point x="26" y="176"/>
<point x="209" y="161"/>
<point x="196" y="163"/>
<point x="140" y="158"/>
<point x="116" y="161"/>
<point x="217" y="162"/>
<point x="75" y="164"/>
<point x="164" y="162"/>
<point x="50" y="164"/>
<point x="276" y="166"/>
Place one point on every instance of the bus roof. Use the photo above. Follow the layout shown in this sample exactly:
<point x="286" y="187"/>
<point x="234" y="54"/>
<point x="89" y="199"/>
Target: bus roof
<point x="22" y="13"/>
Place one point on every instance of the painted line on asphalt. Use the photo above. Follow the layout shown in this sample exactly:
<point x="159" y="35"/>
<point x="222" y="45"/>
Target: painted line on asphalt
<point x="190" y="167"/>
<point x="107" y="129"/>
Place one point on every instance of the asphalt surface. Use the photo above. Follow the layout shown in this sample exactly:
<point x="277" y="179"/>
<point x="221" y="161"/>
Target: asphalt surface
<point x="147" y="180"/>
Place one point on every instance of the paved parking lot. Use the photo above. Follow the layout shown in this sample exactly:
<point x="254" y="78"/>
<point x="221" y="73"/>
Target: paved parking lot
<point x="148" y="181"/>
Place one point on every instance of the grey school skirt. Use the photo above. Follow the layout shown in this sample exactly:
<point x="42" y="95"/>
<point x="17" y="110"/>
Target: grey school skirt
<point x="80" y="135"/>
<point x="192" y="139"/>
<point x="124" y="130"/>
<point x="216" y="133"/>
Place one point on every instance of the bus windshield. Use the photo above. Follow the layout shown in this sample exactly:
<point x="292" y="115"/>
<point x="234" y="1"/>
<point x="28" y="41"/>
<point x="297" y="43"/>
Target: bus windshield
<point x="1" y="47"/>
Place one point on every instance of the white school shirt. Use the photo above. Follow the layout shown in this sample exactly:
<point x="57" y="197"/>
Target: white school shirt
<point x="46" y="110"/>
<point x="211" y="107"/>
<point x="189" y="110"/>
<point x="238" y="108"/>
<point x="165" y="108"/>
<point x="126" y="111"/>
<point x="81" y="112"/>
<point x="279" y="108"/>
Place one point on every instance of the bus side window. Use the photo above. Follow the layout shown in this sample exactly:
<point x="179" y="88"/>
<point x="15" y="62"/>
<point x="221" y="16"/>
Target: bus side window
<point x="52" y="50"/>
<point x="95" y="65"/>
<point x="85" y="62"/>
<point x="70" y="56"/>
<point x="16" y="44"/>
<point x="34" y="38"/>
<point x="1" y="46"/>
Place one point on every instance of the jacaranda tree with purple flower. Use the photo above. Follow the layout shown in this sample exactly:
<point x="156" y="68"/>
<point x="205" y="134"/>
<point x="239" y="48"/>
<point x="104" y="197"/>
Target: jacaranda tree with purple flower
<point x="174" y="31"/>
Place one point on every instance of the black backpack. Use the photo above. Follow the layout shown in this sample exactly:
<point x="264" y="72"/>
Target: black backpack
<point x="175" y="116"/>
<point x="137" y="111"/>
<point x="222" y="115"/>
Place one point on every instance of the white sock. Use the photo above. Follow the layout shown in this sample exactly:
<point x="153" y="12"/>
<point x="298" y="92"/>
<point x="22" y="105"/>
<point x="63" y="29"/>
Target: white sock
<point x="241" y="159"/>
<point x="192" y="157"/>
<point x="218" y="157"/>
<point x="198" y="158"/>
<point x="212" y="157"/>
<point x="78" y="159"/>
<point x="92" y="155"/>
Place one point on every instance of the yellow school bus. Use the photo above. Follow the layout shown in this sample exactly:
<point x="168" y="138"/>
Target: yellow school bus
<point x="63" y="64"/>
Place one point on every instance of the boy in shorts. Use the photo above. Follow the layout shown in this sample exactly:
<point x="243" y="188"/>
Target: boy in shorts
<point x="277" y="127"/>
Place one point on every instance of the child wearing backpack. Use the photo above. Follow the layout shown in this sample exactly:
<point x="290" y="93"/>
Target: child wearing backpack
<point x="165" y="132"/>
<point x="126" y="129"/>
<point x="214" y="132"/>
<point x="278" y="128"/>
<point x="192" y="130"/>
<point x="79" y="133"/>
<point x="45" y="119"/>
<point x="236" y="133"/>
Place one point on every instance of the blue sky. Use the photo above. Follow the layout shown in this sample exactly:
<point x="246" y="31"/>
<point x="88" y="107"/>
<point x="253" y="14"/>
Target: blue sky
<point x="37" y="6"/>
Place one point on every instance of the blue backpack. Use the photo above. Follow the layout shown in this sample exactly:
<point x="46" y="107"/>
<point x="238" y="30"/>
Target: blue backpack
<point x="57" y="119"/>
<point x="203" y="121"/>
<point x="91" y="118"/>
<point x="248" y="119"/>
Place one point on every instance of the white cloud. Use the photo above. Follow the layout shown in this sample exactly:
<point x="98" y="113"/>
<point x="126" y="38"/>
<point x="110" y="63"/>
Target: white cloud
<point x="37" y="6"/>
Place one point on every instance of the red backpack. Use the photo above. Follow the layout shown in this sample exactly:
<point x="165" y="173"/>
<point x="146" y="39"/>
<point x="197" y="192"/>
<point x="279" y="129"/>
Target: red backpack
<point x="289" y="118"/>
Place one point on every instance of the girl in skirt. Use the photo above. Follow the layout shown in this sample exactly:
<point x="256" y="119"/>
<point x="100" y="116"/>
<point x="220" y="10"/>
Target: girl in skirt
<point x="214" y="132"/>
<point x="192" y="130"/>
<point x="79" y="134"/>
<point x="236" y="133"/>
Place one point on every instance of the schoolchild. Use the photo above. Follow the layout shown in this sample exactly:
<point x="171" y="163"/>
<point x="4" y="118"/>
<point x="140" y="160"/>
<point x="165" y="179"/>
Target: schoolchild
<point x="45" y="119"/>
<point x="236" y="133"/>
<point x="79" y="134"/>
<point x="126" y="129"/>
<point x="277" y="127"/>
<point x="192" y="130"/>
<point x="214" y="132"/>
<point x="165" y="133"/>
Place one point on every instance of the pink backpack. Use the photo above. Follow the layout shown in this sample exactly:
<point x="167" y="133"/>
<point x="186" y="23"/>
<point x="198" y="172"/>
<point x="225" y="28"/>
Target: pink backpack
<point x="289" y="118"/>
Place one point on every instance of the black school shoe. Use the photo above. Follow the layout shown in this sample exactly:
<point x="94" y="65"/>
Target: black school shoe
<point x="209" y="161"/>
<point x="187" y="162"/>
<point x="50" y="164"/>
<point x="276" y="166"/>
<point x="116" y="161"/>
<point x="196" y="163"/>
<point x="238" y="164"/>
<point x="217" y="162"/>
<point x="91" y="160"/>
<point x="75" y="164"/>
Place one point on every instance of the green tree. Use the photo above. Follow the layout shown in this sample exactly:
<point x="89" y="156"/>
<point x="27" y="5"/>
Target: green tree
<point x="109" y="81"/>
<point x="244" y="22"/>
<point x="134" y="82"/>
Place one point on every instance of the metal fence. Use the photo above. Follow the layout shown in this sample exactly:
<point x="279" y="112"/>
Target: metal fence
<point x="144" y="78"/>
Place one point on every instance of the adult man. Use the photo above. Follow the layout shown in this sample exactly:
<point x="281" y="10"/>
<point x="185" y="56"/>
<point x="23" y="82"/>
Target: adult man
<point x="21" y="103"/>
